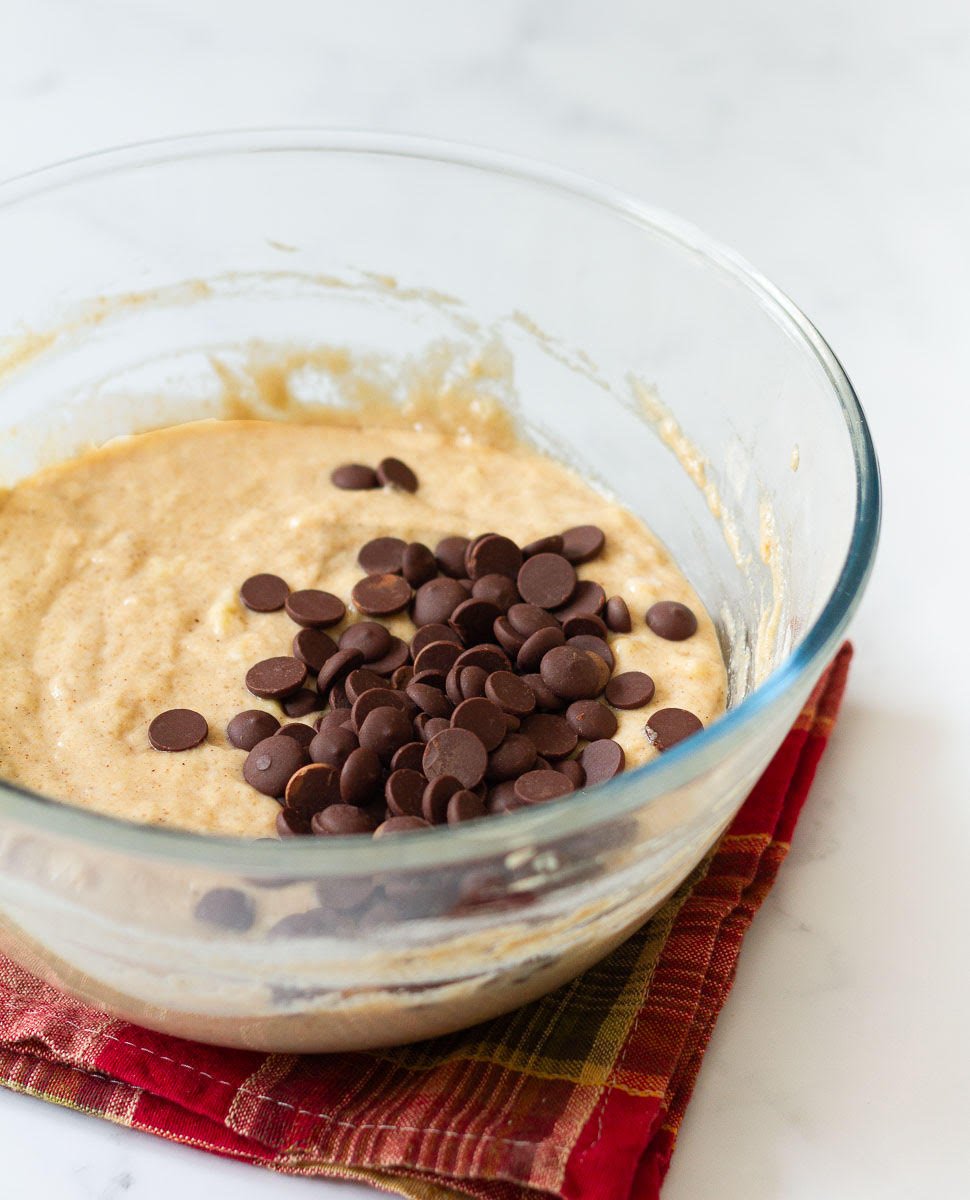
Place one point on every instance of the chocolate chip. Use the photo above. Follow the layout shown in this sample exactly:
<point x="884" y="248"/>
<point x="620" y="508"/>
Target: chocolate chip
<point x="312" y="788"/>
<point x="550" y="734"/>
<point x="362" y="680"/>
<point x="618" y="615"/>
<point x="586" y="624"/>
<point x="470" y="550"/>
<point x="344" y="893"/>
<point x="178" y="729"/>
<point x="264" y="593"/>
<point x="473" y="620"/>
<point x="450" y="554"/>
<point x="435" y="601"/>
<point x="489" y="657"/>
<point x="427" y="726"/>
<point x="528" y="619"/>
<point x="249" y="727"/>
<point x="338" y="719"/>
<point x="570" y="673"/>
<point x="499" y="590"/>
<point x="360" y="777"/>
<point x="391" y="472"/>
<point x="395" y="658"/>
<point x="381" y="595"/>
<point x="437" y="656"/>
<point x="455" y="752"/>
<point x="402" y="677"/>
<point x="546" y="545"/>
<point x="313" y="647"/>
<point x="342" y="820"/>
<point x="588" y="597"/>
<point x="482" y="718"/>
<point x="536" y="647"/>
<point x="510" y="641"/>
<point x="382" y="556"/>
<point x="464" y="806"/>
<point x="591" y="720"/>
<point x="453" y="686"/>
<point x="512" y="723"/>
<point x="601" y="760"/>
<point x="354" y="477"/>
<point x="394" y="825"/>
<point x="434" y="800"/>
<point x="671" y="620"/>
<point x="228" y="908"/>
<point x="302" y="702"/>
<point x="371" y="638"/>
<point x="290" y="824"/>
<point x="582" y="543"/>
<point x="304" y="734"/>
<point x="546" y="698"/>
<point x="546" y="580"/>
<point x="514" y="756"/>
<point x="668" y="726"/>
<point x="333" y="746"/>
<point x="384" y="730"/>
<point x="573" y="770"/>
<point x="471" y="682"/>
<point x="403" y="792"/>
<point x="493" y="554"/>
<point x="314" y="609"/>
<point x="502" y="799"/>
<point x="631" y="689"/>
<point x="418" y="564"/>
<point x="429" y="699"/>
<point x="510" y="693"/>
<point x="374" y="698"/>
<point x="435" y="679"/>
<point x="409" y="755"/>
<point x="338" y="696"/>
<point x="336" y="668"/>
<point x="592" y="644"/>
<point x="274" y="678"/>
<point x="537" y="787"/>
<point x="271" y="763"/>
<point x="435" y="632"/>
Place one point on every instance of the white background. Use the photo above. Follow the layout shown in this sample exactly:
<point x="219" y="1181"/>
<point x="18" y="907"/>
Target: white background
<point x="829" y="142"/>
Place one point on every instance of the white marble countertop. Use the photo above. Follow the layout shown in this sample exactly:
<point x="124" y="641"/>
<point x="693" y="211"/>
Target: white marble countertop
<point x="828" y="142"/>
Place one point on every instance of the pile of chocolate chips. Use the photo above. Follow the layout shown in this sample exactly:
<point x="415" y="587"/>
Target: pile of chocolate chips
<point x="494" y="705"/>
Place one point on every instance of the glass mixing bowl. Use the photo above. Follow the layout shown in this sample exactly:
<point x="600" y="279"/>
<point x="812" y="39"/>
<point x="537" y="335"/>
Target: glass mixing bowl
<point x="623" y="341"/>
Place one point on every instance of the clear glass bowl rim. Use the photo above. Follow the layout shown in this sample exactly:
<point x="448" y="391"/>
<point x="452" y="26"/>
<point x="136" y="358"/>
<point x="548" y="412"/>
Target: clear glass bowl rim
<point x="627" y="792"/>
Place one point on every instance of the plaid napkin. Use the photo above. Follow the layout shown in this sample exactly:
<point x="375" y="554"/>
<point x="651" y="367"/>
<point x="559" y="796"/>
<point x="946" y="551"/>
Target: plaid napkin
<point x="578" y="1095"/>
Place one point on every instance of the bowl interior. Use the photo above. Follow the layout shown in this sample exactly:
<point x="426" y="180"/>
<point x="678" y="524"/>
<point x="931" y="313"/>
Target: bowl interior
<point x="297" y="269"/>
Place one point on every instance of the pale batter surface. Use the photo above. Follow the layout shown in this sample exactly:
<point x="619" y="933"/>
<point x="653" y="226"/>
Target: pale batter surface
<point x="121" y="568"/>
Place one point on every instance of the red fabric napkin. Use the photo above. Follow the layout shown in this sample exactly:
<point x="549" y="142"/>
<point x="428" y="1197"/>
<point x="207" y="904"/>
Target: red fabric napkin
<point x="579" y="1095"/>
